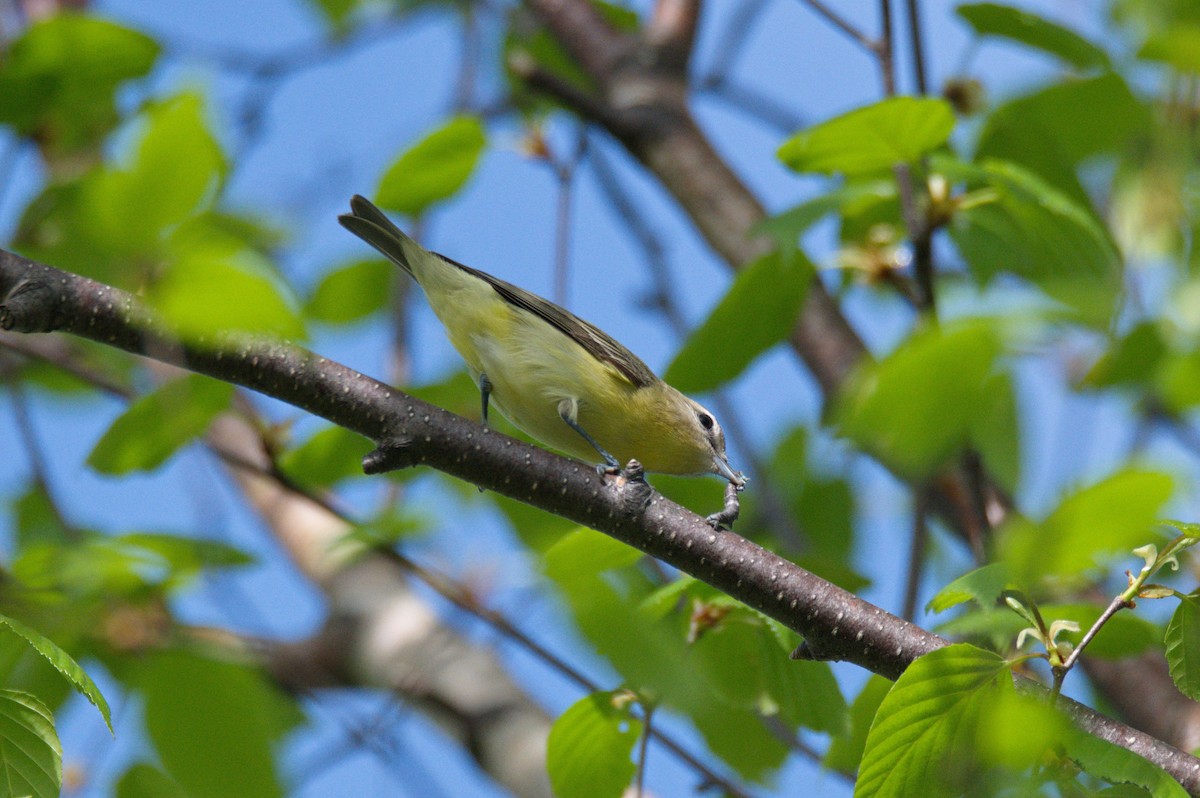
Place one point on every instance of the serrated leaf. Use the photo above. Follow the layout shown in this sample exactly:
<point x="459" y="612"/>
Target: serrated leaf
<point x="1116" y="765"/>
<point x="1017" y="730"/>
<point x="588" y="753"/>
<point x="1023" y="27"/>
<point x="433" y="169"/>
<point x="351" y="293"/>
<point x="1183" y="646"/>
<point x="916" y="408"/>
<point x="919" y="721"/>
<point x="757" y="312"/>
<point x="62" y="662"/>
<point x="216" y="737"/>
<point x="1112" y="517"/>
<point x="30" y="753"/>
<point x="157" y="425"/>
<point x="871" y="139"/>
<point x="982" y="585"/>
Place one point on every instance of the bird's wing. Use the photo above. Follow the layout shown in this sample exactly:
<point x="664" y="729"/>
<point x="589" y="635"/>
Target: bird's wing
<point x="595" y="341"/>
<point x="370" y="224"/>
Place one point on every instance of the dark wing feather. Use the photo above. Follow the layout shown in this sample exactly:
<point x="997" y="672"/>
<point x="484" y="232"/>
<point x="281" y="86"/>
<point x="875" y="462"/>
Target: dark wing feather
<point x="370" y="224"/>
<point x="598" y="343"/>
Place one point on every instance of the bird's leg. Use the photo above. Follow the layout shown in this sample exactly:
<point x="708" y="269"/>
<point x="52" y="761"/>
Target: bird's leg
<point x="567" y="409"/>
<point x="485" y="390"/>
<point x="730" y="512"/>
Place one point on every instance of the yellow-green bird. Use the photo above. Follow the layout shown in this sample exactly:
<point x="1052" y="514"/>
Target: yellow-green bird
<point x="552" y="374"/>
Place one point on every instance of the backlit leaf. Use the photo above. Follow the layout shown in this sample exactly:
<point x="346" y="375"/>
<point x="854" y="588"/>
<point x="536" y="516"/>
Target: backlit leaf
<point x="433" y="169"/>
<point x="871" y="139"/>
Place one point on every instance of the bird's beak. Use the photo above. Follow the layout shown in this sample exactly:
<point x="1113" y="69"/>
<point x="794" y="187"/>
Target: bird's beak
<point x="722" y="467"/>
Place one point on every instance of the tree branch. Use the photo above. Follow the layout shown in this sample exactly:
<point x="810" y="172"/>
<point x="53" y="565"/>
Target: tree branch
<point x="836" y="624"/>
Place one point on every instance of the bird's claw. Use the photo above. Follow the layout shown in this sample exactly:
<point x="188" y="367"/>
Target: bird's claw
<point x="729" y="513"/>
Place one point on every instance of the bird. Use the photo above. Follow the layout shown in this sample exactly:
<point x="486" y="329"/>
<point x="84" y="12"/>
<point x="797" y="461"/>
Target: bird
<point x="560" y="379"/>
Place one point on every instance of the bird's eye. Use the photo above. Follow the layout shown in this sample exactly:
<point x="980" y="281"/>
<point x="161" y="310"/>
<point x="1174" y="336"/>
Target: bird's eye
<point x="706" y="420"/>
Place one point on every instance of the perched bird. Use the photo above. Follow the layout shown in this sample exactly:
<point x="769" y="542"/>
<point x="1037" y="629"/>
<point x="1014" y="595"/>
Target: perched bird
<point x="552" y="374"/>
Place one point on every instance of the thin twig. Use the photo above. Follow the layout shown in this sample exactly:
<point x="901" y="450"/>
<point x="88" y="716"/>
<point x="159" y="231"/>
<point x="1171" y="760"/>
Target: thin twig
<point x="836" y="20"/>
<point x="1116" y="605"/>
<point x="917" y="45"/>
<point x="643" y="749"/>
<point x="885" y="48"/>
<point x="916" y="555"/>
<point x="564" y="174"/>
<point x="37" y="460"/>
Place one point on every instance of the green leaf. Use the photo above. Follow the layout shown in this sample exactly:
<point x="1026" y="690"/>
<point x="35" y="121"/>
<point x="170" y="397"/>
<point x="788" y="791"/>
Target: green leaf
<point x="1034" y="131"/>
<point x="1178" y="381"/>
<point x="917" y="408"/>
<point x="1023" y="226"/>
<point x="59" y="78"/>
<point x="846" y="750"/>
<point x="589" y="750"/>
<point x="30" y="754"/>
<point x="36" y="518"/>
<point x="1017" y="730"/>
<point x="785" y="228"/>
<point x="1132" y="361"/>
<point x="62" y="662"/>
<point x="877" y="137"/>
<point x="433" y="169"/>
<point x="1118" y="765"/>
<point x="587" y="552"/>
<point x="982" y="585"/>
<point x="756" y="313"/>
<point x="215" y="737"/>
<point x="174" y="172"/>
<point x="171" y="560"/>
<point x="995" y="432"/>
<point x="1125" y="634"/>
<point x="1178" y="47"/>
<point x="158" y="424"/>
<point x="1183" y="646"/>
<point x="919" y="722"/>
<point x="351" y="293"/>
<point x="206" y="293"/>
<point x="1112" y="517"/>
<point x="329" y="456"/>
<point x="146" y="781"/>
<point x="1023" y="27"/>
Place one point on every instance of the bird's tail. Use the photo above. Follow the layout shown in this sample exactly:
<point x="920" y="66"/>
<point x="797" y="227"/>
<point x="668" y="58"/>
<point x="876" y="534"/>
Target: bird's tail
<point x="368" y="223"/>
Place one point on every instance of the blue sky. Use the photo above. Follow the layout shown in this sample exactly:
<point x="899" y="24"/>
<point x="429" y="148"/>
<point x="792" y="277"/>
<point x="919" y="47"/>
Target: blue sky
<point x="329" y="132"/>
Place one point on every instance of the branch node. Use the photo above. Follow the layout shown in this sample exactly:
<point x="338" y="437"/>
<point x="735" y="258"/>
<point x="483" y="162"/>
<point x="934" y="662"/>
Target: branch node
<point x="635" y="490"/>
<point x="392" y="454"/>
<point x="31" y="306"/>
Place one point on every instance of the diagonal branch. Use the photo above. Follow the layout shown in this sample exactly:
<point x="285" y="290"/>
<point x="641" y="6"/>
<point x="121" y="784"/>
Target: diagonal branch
<point x="835" y="623"/>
